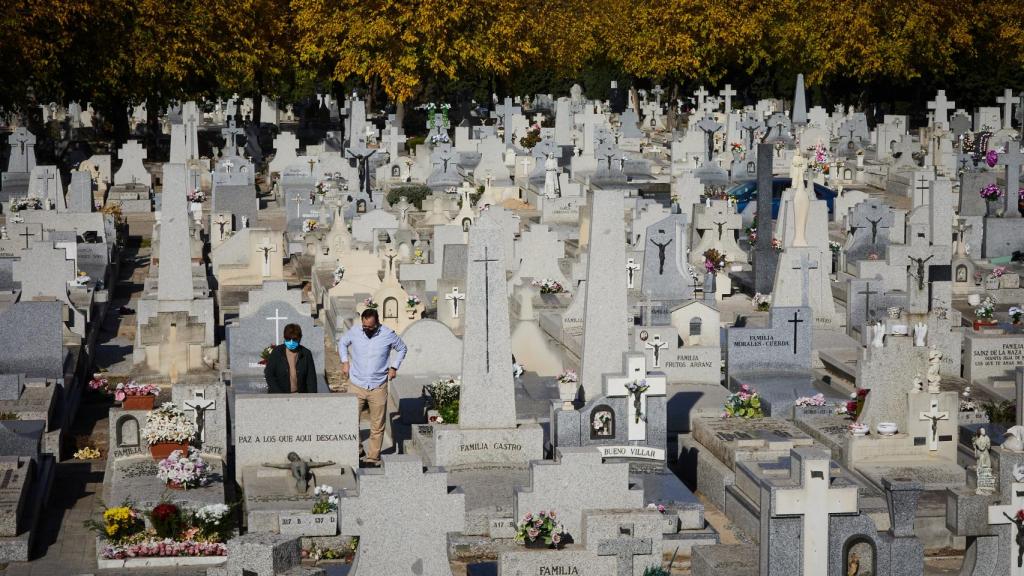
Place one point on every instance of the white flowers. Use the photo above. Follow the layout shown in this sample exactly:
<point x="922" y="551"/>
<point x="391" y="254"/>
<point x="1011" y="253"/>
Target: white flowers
<point x="168" y="423"/>
<point x="326" y="501"/>
<point x="212" y="513"/>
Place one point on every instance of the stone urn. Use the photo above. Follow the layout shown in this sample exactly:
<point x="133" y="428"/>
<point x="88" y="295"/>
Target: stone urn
<point x="567" y="393"/>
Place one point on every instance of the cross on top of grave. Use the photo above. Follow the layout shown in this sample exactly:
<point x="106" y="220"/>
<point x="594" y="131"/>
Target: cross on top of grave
<point x="1002" y="514"/>
<point x="701" y="95"/>
<point x="1013" y="159"/>
<point x="636" y="384"/>
<point x="778" y="128"/>
<point x="624" y="548"/>
<point x="941" y="106"/>
<point x="749" y="125"/>
<point x="505" y="112"/>
<point x="393" y="138"/>
<point x="23" y="156"/>
<point x="1008" y="102"/>
<point x="419" y="503"/>
<point x="709" y="127"/>
<point x="814" y="501"/>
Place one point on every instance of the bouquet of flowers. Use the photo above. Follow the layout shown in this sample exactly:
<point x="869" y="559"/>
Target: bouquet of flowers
<point x="168" y="423"/>
<point x="119" y="523"/>
<point x="214" y="522"/>
<point x="834" y="246"/>
<point x="568" y="377"/>
<point x="166" y="520"/>
<point x="339" y="273"/>
<point x="714" y="261"/>
<point x="816" y="400"/>
<point x="413" y="301"/>
<point x="549" y="286"/>
<point x="986" y="310"/>
<point x="821" y="159"/>
<point x="992" y="158"/>
<point x="636" y="388"/>
<point x="369" y="304"/>
<point x="1015" y="314"/>
<point x="87" y="453"/>
<point x="532" y="137"/>
<point x="997" y="272"/>
<point x="743" y="404"/>
<point x="752" y="234"/>
<point x="326" y="501"/>
<point x="543" y="528"/>
<point x="265" y="355"/>
<point x="182" y="470"/>
<point x="443" y="396"/>
<point x="856" y="403"/>
<point x="762" y="301"/>
<point x="98" y="383"/>
<point x="776" y="244"/>
<point x="417" y="256"/>
<point x="26" y="204"/>
<point x="737" y="148"/>
<point x="321" y="187"/>
<point x="132" y="388"/>
<point x="196" y="196"/>
<point x="310" y="225"/>
<point x="991" y="193"/>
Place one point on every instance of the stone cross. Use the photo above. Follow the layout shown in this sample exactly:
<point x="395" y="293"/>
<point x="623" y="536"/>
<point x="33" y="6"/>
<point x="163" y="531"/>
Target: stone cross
<point x="199" y="405"/>
<point x="922" y="185"/>
<point x="487" y="303"/>
<point x="1006" y="514"/>
<point x="277" y="325"/>
<point x="814" y="501"/>
<point x="455" y="297"/>
<point x="727" y="94"/>
<point x="934" y="415"/>
<point x="624" y="548"/>
<point x="656" y="344"/>
<point x="426" y="511"/>
<point x="1007" y="101"/>
<point x="1013" y="159"/>
<point x="393" y="138"/>
<point x="231" y="134"/>
<point x="701" y="94"/>
<point x="44" y="178"/>
<point x="505" y="112"/>
<point x="267" y="248"/>
<point x="942" y="107"/>
<point x="805" y="266"/>
<point x="631" y="268"/>
<point x="636" y="373"/>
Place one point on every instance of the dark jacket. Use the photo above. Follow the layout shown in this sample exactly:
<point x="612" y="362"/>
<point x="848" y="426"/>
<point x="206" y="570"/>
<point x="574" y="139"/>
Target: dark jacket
<point x="276" y="371"/>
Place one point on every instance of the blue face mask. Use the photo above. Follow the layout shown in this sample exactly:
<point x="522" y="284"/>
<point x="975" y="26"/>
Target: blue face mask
<point x="292" y="345"/>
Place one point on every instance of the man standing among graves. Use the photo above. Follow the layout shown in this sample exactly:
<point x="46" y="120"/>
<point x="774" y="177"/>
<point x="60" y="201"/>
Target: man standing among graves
<point x="370" y="370"/>
<point x="290" y="367"/>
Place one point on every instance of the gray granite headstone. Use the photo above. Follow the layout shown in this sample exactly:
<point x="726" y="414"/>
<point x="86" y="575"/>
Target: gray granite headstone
<point x="31" y="336"/>
<point x="785" y="345"/>
<point x="665" y="250"/>
<point x="80" y="192"/>
<point x="870" y="220"/>
<point x="175" y="241"/>
<point x="410" y="534"/>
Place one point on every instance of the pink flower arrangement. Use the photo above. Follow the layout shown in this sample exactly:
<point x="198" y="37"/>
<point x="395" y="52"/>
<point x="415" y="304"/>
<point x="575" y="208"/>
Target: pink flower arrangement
<point x="998" y="271"/>
<point x="132" y="388"/>
<point x="991" y="158"/>
<point x="165" y="547"/>
<point x="991" y="192"/>
<point x="98" y="383"/>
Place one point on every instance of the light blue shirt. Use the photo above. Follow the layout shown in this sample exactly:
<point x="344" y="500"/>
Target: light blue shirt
<point x="369" y="360"/>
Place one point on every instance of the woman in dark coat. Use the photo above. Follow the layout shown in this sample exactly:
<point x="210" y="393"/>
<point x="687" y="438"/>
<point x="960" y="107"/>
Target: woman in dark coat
<point x="290" y="367"/>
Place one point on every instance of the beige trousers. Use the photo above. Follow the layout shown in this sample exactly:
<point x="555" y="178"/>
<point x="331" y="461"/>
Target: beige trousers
<point x="376" y="403"/>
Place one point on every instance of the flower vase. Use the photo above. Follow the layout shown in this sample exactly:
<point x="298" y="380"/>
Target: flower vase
<point x="983" y="323"/>
<point x="990" y="206"/>
<point x="537" y="544"/>
<point x="411" y="313"/>
<point x="145" y="402"/>
<point x="567" y="393"/>
<point x="176" y="486"/>
<point x="162" y="450"/>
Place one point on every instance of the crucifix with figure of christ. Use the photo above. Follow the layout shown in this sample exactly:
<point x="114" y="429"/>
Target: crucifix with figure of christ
<point x="455" y="297"/>
<point x="656" y="345"/>
<point x="874" y="228"/>
<point x="934" y="415"/>
<point x="1002" y="514"/>
<point x="920" y="275"/>
<point x="199" y="406"/>
<point x="487" y="304"/>
<point x="362" y="164"/>
<point x="749" y="126"/>
<point x="709" y="127"/>
<point x="266" y="248"/>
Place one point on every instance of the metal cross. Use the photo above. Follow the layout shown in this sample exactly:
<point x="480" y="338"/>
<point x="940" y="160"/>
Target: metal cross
<point x="795" y="322"/>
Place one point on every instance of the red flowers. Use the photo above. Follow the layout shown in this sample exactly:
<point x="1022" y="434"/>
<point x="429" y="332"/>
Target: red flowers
<point x="164" y="512"/>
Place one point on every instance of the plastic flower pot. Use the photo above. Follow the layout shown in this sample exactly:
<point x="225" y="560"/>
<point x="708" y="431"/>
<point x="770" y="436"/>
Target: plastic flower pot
<point x="162" y="450"/>
<point x="145" y="402"/>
